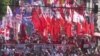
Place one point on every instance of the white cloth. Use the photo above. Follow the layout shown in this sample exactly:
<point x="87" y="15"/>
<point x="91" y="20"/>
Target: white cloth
<point x="77" y="18"/>
<point x="9" y="11"/>
<point x="7" y="21"/>
<point x="58" y="15"/>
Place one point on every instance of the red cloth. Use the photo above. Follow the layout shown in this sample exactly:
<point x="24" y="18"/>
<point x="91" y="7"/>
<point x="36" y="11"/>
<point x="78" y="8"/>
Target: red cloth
<point x="48" y="28"/>
<point x="79" y="29"/>
<point x="23" y="32"/>
<point x="36" y="20"/>
<point x="48" y="22"/>
<point x="43" y="24"/>
<point x="86" y="27"/>
<point x="68" y="28"/>
<point x="61" y="22"/>
<point x="56" y="30"/>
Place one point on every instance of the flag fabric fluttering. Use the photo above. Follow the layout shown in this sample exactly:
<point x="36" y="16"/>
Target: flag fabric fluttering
<point x="43" y="23"/>
<point x="56" y="29"/>
<point x="70" y="22"/>
<point x="77" y="23"/>
<point x="71" y="19"/>
<point x="35" y="19"/>
<point x="48" y="20"/>
<point x="86" y="24"/>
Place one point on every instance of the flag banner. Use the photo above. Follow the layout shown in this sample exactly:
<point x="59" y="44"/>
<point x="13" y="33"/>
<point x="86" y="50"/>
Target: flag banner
<point x="50" y="20"/>
<point x="48" y="17"/>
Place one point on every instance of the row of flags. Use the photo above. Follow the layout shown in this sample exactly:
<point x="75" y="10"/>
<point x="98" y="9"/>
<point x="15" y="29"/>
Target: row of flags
<point x="73" y="21"/>
<point x="53" y="21"/>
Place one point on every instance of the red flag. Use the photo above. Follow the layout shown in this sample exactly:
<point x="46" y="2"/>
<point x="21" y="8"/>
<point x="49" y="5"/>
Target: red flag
<point x="68" y="28"/>
<point x="79" y="29"/>
<point x="60" y="17"/>
<point x="86" y="27"/>
<point x="49" y="24"/>
<point x="43" y="23"/>
<point x="36" y="20"/>
<point x="56" y="30"/>
<point x="69" y="23"/>
<point x="47" y="27"/>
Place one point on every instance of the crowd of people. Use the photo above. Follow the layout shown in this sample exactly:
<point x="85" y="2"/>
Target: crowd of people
<point x="68" y="47"/>
<point x="36" y="46"/>
<point x="42" y="28"/>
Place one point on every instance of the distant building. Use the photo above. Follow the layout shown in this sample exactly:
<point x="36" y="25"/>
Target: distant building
<point x="90" y="5"/>
<point x="98" y="21"/>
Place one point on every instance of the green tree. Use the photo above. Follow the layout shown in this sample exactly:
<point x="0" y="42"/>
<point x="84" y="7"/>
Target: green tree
<point x="3" y="7"/>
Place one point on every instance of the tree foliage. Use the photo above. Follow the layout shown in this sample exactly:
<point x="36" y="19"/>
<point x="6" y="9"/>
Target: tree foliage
<point x="3" y="7"/>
